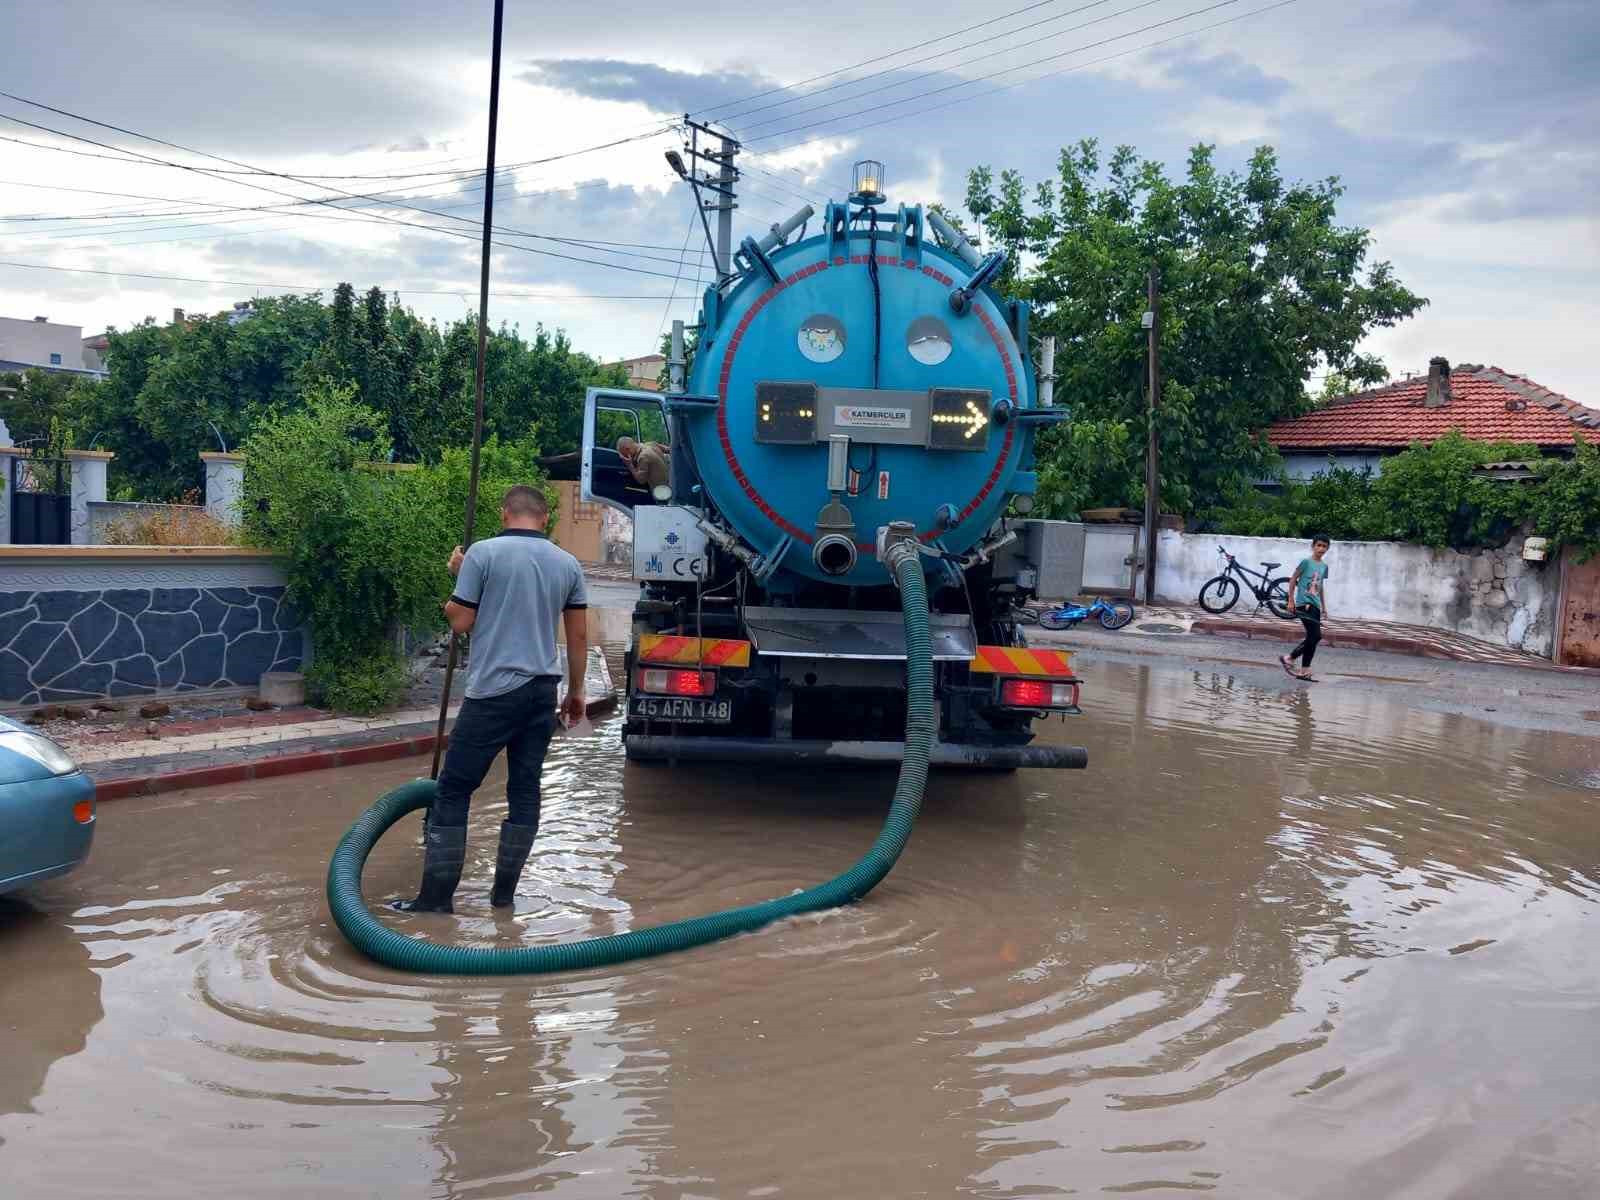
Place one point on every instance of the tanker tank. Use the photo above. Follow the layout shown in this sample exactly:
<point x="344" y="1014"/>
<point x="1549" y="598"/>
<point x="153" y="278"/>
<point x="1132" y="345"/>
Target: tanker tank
<point x="852" y="334"/>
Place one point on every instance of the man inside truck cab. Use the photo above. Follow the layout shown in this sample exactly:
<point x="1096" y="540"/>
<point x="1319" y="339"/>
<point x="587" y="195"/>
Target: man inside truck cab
<point x="646" y="461"/>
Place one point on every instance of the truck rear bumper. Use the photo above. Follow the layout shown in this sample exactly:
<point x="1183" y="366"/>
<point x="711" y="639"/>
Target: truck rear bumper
<point x="655" y="747"/>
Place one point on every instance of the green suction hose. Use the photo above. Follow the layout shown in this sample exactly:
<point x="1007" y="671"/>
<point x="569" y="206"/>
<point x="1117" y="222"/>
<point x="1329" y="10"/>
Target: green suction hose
<point x="393" y="949"/>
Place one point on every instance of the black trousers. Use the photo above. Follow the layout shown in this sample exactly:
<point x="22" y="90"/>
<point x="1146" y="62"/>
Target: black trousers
<point x="521" y="722"/>
<point x="1311" y="617"/>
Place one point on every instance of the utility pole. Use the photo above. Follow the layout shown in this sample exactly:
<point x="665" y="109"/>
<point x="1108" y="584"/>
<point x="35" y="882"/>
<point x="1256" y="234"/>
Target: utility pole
<point x="1152" y="453"/>
<point x="727" y="175"/>
<point x="483" y="349"/>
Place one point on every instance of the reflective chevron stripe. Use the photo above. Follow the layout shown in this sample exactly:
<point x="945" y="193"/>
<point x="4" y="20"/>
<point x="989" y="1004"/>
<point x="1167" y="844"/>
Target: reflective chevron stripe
<point x="1015" y="660"/>
<point x="706" y="652"/>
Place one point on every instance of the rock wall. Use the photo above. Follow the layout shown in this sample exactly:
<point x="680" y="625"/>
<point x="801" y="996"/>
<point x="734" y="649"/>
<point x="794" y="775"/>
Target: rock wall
<point x="134" y="641"/>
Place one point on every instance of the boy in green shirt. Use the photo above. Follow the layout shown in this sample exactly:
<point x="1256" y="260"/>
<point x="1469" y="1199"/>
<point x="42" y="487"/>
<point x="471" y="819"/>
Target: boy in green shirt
<point x="1310" y="605"/>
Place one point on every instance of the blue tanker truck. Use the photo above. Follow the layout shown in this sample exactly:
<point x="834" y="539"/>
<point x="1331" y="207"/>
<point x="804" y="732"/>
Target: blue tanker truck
<point x="848" y="390"/>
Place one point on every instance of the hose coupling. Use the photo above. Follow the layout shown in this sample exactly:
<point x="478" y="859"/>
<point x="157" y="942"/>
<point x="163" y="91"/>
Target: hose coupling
<point x="897" y="542"/>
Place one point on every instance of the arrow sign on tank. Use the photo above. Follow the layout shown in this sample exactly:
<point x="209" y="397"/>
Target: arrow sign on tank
<point x="974" y="419"/>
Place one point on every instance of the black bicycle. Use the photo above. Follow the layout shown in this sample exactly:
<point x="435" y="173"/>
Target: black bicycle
<point x="1222" y="592"/>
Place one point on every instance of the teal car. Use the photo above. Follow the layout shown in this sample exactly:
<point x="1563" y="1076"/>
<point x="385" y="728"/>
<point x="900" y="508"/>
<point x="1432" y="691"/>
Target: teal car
<point x="46" y="808"/>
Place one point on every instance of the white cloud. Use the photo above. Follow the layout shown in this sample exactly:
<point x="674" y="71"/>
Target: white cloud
<point x="1474" y="170"/>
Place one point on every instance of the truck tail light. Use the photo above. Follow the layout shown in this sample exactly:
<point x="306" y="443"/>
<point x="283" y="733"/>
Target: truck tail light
<point x="1039" y="693"/>
<point x="83" y="811"/>
<point x="678" y="683"/>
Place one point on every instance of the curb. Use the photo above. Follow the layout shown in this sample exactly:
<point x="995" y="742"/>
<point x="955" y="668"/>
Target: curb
<point x="287" y="764"/>
<point x="1387" y="643"/>
<point x="267" y="768"/>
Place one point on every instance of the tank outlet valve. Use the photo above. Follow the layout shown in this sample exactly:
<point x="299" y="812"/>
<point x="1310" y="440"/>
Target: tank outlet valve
<point x="834" y="550"/>
<point x="834" y="553"/>
<point x="944" y="517"/>
<point x="896" y="541"/>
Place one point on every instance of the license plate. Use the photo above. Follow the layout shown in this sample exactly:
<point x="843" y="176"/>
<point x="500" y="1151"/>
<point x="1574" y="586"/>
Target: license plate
<point x="682" y="708"/>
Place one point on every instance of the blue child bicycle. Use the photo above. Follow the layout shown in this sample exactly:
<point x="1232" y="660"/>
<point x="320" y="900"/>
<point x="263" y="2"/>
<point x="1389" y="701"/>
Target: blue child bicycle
<point x="1113" y="614"/>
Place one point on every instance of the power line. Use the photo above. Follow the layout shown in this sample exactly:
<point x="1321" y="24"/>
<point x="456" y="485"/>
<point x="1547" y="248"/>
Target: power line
<point x="673" y="294"/>
<point x="1035" y="79"/>
<point x="941" y="54"/>
<point x="464" y="172"/>
<point x="867" y="62"/>
<point x="579" y="243"/>
<point x="800" y="193"/>
<point x="632" y="248"/>
<point x="324" y="201"/>
<point x="1005" y="71"/>
<point x="146" y="228"/>
<point x="306" y="288"/>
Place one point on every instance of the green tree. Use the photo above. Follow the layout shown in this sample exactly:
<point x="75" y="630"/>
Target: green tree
<point x="1259" y="284"/>
<point x="174" y="390"/>
<point x="144" y="467"/>
<point x="44" y="409"/>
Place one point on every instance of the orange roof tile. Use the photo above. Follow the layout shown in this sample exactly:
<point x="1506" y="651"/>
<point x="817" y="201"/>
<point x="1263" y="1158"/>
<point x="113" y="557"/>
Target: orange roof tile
<point x="1486" y="404"/>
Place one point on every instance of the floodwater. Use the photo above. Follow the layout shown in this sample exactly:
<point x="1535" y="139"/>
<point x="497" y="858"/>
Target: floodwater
<point x="1275" y="942"/>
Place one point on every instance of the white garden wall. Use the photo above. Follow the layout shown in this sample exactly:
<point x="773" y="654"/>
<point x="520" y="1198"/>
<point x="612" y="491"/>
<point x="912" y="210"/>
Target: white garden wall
<point x="1488" y="594"/>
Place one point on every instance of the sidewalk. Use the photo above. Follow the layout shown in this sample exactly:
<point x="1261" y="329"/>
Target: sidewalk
<point x="209" y="750"/>
<point x="1419" y="641"/>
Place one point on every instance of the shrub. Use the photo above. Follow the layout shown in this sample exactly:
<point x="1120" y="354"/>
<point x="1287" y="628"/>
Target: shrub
<point x="366" y="549"/>
<point x="1566" y="504"/>
<point x="1427" y="494"/>
<point x="1337" y="503"/>
<point x="366" y="685"/>
<point x="1432" y="495"/>
<point x="170" y="526"/>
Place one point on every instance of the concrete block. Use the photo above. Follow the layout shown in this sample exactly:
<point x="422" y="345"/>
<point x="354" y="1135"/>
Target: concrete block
<point x="284" y="688"/>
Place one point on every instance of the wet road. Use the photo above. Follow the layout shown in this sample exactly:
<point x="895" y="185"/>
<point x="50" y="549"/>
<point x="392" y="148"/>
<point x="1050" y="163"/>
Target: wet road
<point x="1275" y="942"/>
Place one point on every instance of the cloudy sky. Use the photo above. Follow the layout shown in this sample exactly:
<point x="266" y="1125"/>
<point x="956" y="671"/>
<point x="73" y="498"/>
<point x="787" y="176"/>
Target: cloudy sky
<point x="1467" y="133"/>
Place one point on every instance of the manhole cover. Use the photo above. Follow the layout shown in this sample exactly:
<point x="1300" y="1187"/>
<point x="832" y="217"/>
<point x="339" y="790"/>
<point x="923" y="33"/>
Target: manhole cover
<point x="1159" y="627"/>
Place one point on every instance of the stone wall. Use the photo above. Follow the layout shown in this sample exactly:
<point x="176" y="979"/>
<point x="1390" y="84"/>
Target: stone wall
<point x="153" y="628"/>
<point x="1488" y="594"/>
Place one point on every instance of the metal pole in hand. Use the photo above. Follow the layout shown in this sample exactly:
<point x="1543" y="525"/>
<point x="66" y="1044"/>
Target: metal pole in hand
<point x="483" y="347"/>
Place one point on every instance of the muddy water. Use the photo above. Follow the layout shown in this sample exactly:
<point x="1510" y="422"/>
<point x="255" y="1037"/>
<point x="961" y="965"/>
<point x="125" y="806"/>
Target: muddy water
<point x="1273" y="943"/>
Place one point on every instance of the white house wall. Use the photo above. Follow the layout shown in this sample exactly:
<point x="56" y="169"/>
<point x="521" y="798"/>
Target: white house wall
<point x="1488" y="594"/>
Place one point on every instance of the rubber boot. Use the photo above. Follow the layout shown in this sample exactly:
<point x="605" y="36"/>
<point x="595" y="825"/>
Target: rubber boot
<point x="444" y="850"/>
<point x="516" y="842"/>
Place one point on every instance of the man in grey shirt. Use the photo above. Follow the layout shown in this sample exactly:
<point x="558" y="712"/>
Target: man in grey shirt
<point x="510" y="590"/>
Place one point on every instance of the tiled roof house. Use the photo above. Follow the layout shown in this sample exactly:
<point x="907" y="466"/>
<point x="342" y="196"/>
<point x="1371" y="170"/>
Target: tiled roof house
<point x="1484" y="403"/>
